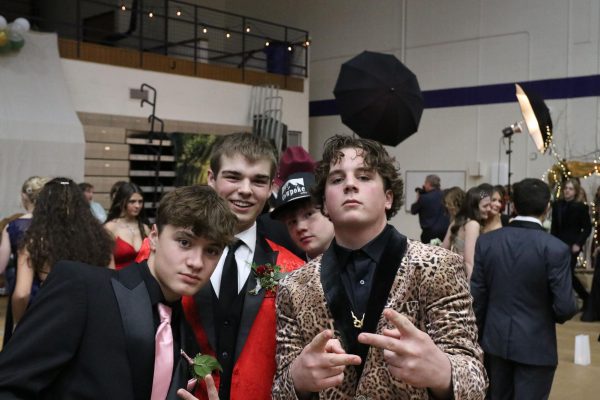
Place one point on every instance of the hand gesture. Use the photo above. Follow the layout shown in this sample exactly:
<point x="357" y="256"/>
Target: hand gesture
<point x="321" y="364"/>
<point x="211" y="389"/>
<point x="411" y="355"/>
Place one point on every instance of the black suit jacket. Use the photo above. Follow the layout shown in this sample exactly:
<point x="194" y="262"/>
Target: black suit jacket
<point x="432" y="214"/>
<point x="521" y="286"/>
<point x="571" y="222"/>
<point x="88" y="335"/>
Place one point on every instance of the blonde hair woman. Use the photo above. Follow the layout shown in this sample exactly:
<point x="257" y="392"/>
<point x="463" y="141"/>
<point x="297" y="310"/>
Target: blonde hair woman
<point x="12" y="235"/>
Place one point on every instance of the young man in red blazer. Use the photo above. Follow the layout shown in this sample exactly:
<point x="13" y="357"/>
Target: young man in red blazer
<point x="239" y="329"/>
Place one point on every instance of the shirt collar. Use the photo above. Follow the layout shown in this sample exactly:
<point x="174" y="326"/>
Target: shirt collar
<point x="248" y="237"/>
<point x="154" y="290"/>
<point x="374" y="249"/>
<point x="528" y="219"/>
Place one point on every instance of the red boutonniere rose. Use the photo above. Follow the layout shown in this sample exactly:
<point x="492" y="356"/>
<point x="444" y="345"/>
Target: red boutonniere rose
<point x="267" y="277"/>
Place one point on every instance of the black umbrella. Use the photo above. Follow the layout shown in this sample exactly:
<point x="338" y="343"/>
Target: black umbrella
<point x="537" y="117"/>
<point x="379" y="98"/>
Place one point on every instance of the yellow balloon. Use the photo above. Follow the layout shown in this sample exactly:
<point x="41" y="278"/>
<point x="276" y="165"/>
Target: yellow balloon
<point x="3" y="38"/>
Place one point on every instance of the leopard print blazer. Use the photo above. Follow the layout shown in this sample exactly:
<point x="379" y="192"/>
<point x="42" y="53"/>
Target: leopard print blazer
<point x="430" y="288"/>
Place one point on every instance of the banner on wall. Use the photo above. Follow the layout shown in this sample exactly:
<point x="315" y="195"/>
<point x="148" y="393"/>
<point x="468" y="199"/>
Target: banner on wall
<point x="192" y="157"/>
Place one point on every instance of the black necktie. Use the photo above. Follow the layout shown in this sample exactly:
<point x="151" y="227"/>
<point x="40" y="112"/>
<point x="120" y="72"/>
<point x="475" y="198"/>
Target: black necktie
<point x="228" y="290"/>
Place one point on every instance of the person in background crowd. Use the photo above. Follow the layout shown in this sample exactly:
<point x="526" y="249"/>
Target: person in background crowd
<point x="12" y="236"/>
<point x="465" y="230"/>
<point x="495" y="219"/>
<point x="307" y="226"/>
<point x="331" y="336"/>
<point x="233" y="317"/>
<point x="571" y="223"/>
<point x="88" y="194"/>
<point x="592" y="310"/>
<point x="430" y="206"/>
<point x="126" y="223"/>
<point x="62" y="228"/>
<point x="95" y="333"/>
<point x="521" y="287"/>
<point x="453" y="199"/>
<point x="294" y="159"/>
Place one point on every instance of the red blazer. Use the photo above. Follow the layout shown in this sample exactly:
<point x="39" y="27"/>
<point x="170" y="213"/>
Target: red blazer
<point x="254" y="368"/>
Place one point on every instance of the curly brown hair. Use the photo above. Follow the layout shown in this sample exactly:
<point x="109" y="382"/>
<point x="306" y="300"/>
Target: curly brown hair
<point x="64" y="228"/>
<point x="375" y="157"/>
<point x="199" y="208"/>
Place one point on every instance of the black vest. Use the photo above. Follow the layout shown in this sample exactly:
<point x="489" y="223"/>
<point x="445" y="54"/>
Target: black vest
<point x="227" y="324"/>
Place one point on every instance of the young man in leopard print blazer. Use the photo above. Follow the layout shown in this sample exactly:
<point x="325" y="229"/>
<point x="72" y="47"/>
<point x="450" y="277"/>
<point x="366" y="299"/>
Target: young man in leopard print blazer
<point x="377" y="316"/>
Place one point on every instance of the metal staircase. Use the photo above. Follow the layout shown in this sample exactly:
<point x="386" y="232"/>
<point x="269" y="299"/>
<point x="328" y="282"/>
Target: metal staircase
<point x="265" y="115"/>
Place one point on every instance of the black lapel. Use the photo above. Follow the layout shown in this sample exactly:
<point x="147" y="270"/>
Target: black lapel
<point x="263" y="254"/>
<point x="385" y="273"/>
<point x="138" y="325"/>
<point x="337" y="299"/>
<point x="204" y="308"/>
<point x="525" y="224"/>
<point x="384" y="277"/>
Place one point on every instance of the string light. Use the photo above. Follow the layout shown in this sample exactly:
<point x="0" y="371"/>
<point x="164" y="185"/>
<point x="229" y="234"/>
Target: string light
<point x="178" y="12"/>
<point x="150" y="14"/>
<point x="204" y="30"/>
<point x="228" y="35"/>
<point x="123" y="8"/>
<point x="267" y="44"/>
<point x="248" y="29"/>
<point x="289" y="48"/>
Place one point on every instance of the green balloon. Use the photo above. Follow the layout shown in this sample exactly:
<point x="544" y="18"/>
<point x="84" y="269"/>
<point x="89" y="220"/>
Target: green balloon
<point x="16" y="41"/>
<point x="17" y="45"/>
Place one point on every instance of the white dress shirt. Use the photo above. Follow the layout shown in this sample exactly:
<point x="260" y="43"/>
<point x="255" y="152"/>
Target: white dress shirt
<point x="243" y="257"/>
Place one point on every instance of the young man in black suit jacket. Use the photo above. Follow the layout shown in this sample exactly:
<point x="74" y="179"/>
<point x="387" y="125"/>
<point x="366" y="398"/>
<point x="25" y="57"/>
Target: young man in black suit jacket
<point x="91" y="331"/>
<point x="571" y="223"/>
<point x="521" y="287"/>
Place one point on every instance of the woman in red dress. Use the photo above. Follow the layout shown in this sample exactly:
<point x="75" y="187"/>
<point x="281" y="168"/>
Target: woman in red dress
<point x="125" y="222"/>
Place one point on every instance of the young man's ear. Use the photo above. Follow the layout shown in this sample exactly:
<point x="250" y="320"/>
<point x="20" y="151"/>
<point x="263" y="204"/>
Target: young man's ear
<point x="324" y="209"/>
<point x="211" y="178"/>
<point x="153" y="237"/>
<point x="389" y="199"/>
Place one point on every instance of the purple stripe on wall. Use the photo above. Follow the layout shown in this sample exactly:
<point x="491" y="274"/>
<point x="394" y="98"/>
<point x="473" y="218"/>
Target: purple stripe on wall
<point x="561" y="88"/>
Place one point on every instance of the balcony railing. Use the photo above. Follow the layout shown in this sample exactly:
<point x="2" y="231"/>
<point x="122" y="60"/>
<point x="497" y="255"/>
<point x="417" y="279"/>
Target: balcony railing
<point x="172" y="28"/>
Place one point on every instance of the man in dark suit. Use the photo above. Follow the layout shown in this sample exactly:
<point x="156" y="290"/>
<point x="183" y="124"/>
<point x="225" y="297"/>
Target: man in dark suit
<point x="571" y="223"/>
<point x="232" y="318"/>
<point x="90" y="332"/>
<point x="521" y="287"/>
<point x="433" y="218"/>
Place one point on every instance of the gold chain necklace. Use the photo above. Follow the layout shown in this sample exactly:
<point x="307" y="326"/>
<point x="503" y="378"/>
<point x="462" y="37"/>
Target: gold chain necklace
<point x="358" y="323"/>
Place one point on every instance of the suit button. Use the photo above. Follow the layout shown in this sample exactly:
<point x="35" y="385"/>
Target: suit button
<point x="225" y="355"/>
<point x="226" y="323"/>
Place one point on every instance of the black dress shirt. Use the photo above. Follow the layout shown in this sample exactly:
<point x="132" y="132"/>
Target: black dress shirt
<point x="358" y="269"/>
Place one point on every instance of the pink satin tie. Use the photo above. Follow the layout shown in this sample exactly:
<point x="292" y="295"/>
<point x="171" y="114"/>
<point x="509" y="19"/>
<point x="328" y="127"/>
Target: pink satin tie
<point x="163" y="354"/>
